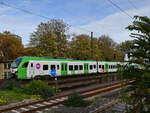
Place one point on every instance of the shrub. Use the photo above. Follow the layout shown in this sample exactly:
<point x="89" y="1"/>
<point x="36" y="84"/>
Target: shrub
<point x="46" y="93"/>
<point x="76" y="100"/>
<point x="38" y="87"/>
<point x="56" y="90"/>
<point x="10" y="84"/>
<point x="35" y="97"/>
<point x="18" y="90"/>
<point x="3" y="101"/>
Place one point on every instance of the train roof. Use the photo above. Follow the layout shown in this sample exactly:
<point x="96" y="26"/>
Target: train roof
<point x="60" y="59"/>
<point x="52" y="59"/>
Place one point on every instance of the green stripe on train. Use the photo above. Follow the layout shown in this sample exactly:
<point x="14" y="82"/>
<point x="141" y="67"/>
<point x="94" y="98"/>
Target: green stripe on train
<point x="86" y="67"/>
<point x="106" y="67"/>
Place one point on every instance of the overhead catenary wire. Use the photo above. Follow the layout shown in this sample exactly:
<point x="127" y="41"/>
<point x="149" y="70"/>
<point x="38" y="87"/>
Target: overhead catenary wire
<point x="132" y="4"/>
<point x="31" y="13"/>
<point x="25" y="11"/>
<point x="120" y="8"/>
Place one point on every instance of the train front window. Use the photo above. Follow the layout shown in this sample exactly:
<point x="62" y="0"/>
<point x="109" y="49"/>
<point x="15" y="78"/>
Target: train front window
<point x="16" y="63"/>
<point x="25" y="65"/>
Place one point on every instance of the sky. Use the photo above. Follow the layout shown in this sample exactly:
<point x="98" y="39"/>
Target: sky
<point x="83" y="16"/>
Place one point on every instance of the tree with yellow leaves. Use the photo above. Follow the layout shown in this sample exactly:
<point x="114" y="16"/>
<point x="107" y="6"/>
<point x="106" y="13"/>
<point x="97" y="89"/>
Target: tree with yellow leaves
<point x="11" y="46"/>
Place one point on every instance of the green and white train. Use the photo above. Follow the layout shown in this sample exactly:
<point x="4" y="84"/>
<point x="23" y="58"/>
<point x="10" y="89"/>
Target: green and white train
<point x="30" y="67"/>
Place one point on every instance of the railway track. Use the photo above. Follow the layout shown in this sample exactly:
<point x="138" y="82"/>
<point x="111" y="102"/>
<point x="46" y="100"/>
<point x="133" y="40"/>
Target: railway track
<point x="106" y="107"/>
<point x="112" y="107"/>
<point x="67" y="82"/>
<point x="41" y="105"/>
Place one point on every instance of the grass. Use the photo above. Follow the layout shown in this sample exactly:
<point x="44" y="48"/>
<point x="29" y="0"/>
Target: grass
<point x="11" y="91"/>
<point x="13" y="96"/>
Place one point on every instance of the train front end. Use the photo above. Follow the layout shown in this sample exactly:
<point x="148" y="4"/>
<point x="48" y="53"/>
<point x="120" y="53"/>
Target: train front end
<point x="14" y="67"/>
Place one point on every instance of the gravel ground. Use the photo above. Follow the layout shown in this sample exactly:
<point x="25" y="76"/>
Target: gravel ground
<point x="118" y="108"/>
<point x="99" y="101"/>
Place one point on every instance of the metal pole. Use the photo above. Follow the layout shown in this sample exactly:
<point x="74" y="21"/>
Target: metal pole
<point x="92" y="49"/>
<point x="56" y="84"/>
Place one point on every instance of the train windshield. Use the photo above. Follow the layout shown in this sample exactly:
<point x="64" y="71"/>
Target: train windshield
<point x="16" y="63"/>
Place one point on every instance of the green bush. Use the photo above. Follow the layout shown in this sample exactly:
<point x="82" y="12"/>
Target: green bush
<point x="18" y="90"/>
<point x="3" y="101"/>
<point x="76" y="100"/>
<point x="10" y="84"/>
<point x="56" y="90"/>
<point x="37" y="87"/>
<point x="46" y="93"/>
<point x="35" y="97"/>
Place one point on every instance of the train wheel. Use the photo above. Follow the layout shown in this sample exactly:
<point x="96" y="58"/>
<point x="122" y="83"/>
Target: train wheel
<point x="37" y="78"/>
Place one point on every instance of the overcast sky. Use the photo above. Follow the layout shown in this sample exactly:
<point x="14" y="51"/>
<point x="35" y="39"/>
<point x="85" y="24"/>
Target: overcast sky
<point x="99" y="16"/>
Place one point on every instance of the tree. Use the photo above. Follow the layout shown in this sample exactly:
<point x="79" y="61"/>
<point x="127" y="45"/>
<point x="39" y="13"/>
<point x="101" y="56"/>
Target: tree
<point x="140" y="53"/>
<point x="10" y="46"/>
<point x="80" y="47"/>
<point x="96" y="49"/>
<point x="50" y="38"/>
<point x="106" y="48"/>
<point x="32" y="51"/>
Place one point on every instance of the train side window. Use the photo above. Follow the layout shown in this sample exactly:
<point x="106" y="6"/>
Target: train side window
<point x="91" y="67"/>
<point x="31" y="64"/>
<point x="100" y="66"/>
<point x="95" y="66"/>
<point x="53" y="67"/>
<point x="25" y="65"/>
<point x="109" y="67"/>
<point x="70" y="67"/>
<point x="80" y="67"/>
<point x="57" y="67"/>
<point x="76" y="67"/>
<point x="45" y="67"/>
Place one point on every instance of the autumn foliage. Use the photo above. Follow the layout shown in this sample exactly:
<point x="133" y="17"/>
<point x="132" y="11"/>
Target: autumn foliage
<point x="10" y="46"/>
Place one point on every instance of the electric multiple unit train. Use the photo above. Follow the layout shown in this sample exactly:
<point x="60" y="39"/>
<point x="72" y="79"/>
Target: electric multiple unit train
<point x="30" y="67"/>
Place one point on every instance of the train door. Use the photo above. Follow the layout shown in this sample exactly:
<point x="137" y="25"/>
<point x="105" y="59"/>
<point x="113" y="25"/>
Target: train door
<point x="64" y="69"/>
<point x="106" y="67"/>
<point x="31" y="70"/>
<point x="23" y="74"/>
<point x="86" y="65"/>
<point x="53" y="69"/>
